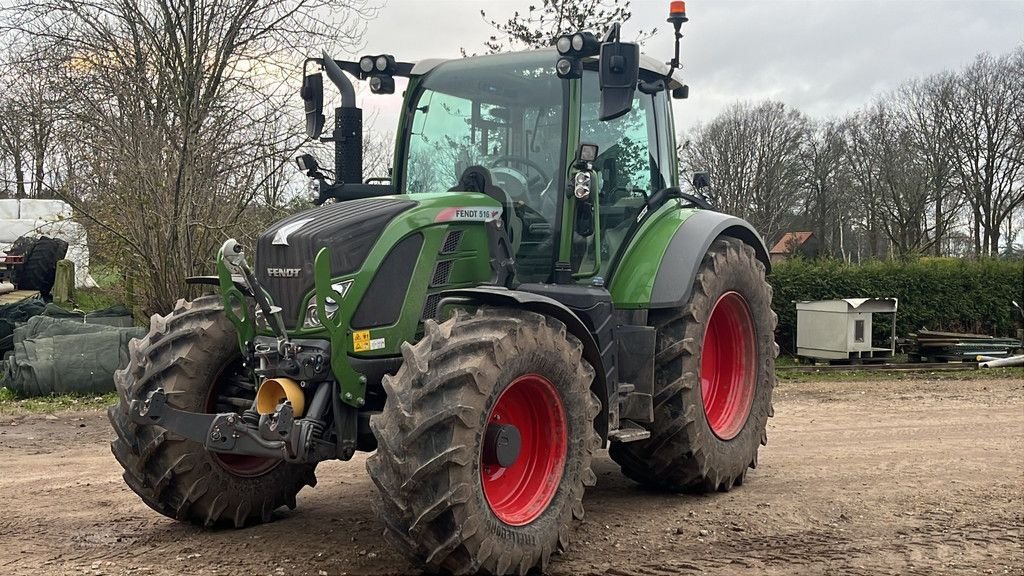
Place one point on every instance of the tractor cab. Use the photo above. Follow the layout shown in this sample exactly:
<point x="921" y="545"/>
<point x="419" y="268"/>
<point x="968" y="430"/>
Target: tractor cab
<point x="511" y="127"/>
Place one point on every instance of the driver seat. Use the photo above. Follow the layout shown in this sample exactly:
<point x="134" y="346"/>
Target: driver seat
<point x="478" y="179"/>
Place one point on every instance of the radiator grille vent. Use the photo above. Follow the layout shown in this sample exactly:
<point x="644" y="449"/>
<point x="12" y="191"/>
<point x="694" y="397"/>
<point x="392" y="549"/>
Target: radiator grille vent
<point x="442" y="272"/>
<point x="451" y="242"/>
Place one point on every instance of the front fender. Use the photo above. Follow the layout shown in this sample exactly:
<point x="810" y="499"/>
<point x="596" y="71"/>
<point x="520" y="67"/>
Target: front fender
<point x="661" y="262"/>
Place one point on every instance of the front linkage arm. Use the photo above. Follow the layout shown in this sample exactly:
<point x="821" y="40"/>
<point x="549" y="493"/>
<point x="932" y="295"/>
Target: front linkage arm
<point x="278" y="435"/>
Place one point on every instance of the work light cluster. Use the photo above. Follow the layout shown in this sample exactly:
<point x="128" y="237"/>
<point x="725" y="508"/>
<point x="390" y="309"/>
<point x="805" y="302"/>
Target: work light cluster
<point x="381" y="72"/>
<point x="572" y="48"/>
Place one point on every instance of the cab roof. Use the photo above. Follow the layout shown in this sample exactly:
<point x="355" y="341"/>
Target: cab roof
<point x="647" y="63"/>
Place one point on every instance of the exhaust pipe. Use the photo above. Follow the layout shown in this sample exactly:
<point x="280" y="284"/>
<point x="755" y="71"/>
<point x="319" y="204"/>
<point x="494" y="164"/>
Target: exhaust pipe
<point x="274" y="391"/>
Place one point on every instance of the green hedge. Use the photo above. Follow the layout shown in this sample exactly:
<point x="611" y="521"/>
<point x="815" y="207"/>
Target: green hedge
<point x="934" y="293"/>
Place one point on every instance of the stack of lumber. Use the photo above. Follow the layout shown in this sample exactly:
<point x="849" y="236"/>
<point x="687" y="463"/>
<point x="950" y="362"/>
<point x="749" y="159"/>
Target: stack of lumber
<point x="931" y="346"/>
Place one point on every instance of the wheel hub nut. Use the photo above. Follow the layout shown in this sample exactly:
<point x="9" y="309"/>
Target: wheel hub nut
<point x="502" y="444"/>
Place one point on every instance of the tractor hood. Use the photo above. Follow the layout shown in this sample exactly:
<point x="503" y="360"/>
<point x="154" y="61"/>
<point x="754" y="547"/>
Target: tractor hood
<point x="285" y="251"/>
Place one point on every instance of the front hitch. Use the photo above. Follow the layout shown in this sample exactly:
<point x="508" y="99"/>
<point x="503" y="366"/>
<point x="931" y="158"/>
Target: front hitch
<point x="278" y="435"/>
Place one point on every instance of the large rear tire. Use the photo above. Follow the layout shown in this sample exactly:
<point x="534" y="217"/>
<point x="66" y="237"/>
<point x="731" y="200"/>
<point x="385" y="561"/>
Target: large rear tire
<point x="193" y="355"/>
<point x="448" y="499"/>
<point x="714" y="375"/>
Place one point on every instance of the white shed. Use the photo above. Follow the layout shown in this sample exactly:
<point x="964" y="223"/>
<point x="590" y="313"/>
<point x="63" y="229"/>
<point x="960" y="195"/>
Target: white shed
<point x="842" y="329"/>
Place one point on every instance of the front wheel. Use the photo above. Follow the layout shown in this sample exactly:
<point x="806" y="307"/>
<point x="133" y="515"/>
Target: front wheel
<point x="714" y="375"/>
<point x="485" y="443"/>
<point x="193" y="354"/>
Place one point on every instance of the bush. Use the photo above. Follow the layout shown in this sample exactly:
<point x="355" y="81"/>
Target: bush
<point x="934" y="293"/>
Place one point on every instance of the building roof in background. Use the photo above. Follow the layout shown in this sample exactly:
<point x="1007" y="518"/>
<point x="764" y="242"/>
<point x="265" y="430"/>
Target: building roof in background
<point x="791" y="241"/>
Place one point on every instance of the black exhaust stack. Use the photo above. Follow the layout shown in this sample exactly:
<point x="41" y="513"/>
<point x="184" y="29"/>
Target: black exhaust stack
<point x="348" y="128"/>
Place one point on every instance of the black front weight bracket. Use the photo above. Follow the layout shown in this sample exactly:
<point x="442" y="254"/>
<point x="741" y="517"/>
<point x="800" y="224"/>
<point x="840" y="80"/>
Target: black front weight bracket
<point x="278" y="436"/>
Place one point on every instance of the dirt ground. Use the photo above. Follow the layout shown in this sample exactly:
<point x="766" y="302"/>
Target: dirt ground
<point x="912" y="477"/>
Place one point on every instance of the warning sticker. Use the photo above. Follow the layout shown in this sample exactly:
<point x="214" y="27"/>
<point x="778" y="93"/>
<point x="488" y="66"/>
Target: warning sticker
<point x="469" y="213"/>
<point x="361" y="341"/>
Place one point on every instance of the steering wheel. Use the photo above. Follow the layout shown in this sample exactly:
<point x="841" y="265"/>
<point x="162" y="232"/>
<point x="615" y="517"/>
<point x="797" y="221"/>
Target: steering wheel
<point x="508" y="158"/>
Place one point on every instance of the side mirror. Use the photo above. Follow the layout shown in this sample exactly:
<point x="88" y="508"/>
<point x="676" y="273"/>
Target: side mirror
<point x="619" y="71"/>
<point x="701" y="180"/>
<point x="313" y="97"/>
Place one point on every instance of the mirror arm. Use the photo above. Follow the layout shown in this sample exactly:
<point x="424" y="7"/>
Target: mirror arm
<point x="614" y="33"/>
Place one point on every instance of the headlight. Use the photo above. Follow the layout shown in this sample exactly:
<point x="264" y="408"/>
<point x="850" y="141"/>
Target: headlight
<point x="366" y="63"/>
<point x="312" y="319"/>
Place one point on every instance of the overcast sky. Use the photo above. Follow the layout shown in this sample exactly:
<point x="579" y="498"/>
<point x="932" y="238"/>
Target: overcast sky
<point x="825" y="57"/>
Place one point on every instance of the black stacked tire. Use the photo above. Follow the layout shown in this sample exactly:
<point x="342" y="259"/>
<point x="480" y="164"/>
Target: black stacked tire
<point x="437" y="500"/>
<point x="688" y="449"/>
<point x="40" y="266"/>
<point x="193" y="355"/>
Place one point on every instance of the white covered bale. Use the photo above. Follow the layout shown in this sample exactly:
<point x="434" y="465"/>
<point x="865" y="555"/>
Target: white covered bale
<point x="10" y="210"/>
<point x="33" y="209"/>
<point x="12" y="229"/>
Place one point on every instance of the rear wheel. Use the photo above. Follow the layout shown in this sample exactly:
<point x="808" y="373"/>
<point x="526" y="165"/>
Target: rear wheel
<point x="193" y="355"/>
<point x="714" y="375"/>
<point x="485" y="443"/>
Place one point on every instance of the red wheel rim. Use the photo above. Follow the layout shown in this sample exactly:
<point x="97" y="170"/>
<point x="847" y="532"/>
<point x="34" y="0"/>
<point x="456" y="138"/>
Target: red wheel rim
<point x="520" y="493"/>
<point x="237" y="464"/>
<point x="728" y="366"/>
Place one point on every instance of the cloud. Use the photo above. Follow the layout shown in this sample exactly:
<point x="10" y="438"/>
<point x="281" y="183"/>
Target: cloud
<point x="825" y="57"/>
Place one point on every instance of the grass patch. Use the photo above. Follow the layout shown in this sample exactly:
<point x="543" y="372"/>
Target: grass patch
<point x="92" y="299"/>
<point x="11" y="404"/>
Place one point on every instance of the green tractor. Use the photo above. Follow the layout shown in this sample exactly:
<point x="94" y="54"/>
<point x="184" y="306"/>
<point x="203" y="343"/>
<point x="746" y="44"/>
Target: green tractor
<point x="530" y="286"/>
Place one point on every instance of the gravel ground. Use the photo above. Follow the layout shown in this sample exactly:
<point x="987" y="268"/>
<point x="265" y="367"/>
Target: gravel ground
<point x="892" y="477"/>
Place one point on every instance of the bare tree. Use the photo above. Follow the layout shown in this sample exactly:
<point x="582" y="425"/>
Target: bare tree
<point x="540" y="25"/>
<point x="752" y="152"/>
<point x="920" y="104"/>
<point x="181" y="110"/>
<point x="892" y="179"/>
<point x="825" y="180"/>
<point x="983" y="123"/>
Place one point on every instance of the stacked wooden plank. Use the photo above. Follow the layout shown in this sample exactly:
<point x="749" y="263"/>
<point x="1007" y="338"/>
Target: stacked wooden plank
<point x="929" y="346"/>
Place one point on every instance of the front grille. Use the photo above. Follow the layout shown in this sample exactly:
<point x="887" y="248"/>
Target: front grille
<point x="350" y="229"/>
<point x="382" y="304"/>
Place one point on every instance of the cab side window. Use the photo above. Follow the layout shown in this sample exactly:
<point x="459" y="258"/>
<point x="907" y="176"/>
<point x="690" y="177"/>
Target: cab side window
<point x="627" y="167"/>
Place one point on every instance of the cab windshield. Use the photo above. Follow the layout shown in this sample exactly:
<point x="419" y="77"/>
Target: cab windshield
<point x="504" y="114"/>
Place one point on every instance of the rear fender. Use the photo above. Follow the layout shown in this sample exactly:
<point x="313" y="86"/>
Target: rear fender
<point x="497" y="296"/>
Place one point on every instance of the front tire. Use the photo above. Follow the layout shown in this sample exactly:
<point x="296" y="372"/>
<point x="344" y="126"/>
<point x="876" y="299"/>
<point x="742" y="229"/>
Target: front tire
<point x="447" y="498"/>
<point x="714" y="375"/>
<point x="193" y="355"/>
